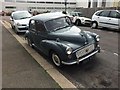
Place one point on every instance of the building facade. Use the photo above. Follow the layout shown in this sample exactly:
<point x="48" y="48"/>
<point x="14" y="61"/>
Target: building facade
<point x="55" y="5"/>
<point x="38" y="5"/>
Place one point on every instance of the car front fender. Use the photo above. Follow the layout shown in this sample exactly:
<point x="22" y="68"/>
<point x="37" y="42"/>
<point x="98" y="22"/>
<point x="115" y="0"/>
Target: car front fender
<point x="55" y="46"/>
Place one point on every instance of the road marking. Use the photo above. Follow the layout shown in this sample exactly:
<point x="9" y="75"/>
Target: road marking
<point x="53" y="72"/>
<point x="107" y="51"/>
<point x="116" y="54"/>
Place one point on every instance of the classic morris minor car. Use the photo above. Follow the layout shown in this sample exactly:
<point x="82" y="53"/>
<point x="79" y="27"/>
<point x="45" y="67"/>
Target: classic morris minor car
<point x="54" y="35"/>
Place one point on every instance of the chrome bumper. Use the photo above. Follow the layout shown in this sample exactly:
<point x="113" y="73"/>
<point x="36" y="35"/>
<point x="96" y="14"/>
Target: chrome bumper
<point x="79" y="60"/>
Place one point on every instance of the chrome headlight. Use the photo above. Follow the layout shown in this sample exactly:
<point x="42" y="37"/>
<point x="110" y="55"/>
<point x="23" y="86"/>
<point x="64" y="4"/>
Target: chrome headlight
<point x="69" y="50"/>
<point x="97" y="38"/>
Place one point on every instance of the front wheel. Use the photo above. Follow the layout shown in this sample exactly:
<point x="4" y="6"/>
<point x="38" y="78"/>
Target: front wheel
<point x="94" y="25"/>
<point x="78" y="22"/>
<point x="56" y="59"/>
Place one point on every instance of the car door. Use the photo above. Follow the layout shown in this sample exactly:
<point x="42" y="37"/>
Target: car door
<point x="33" y="31"/>
<point x="114" y="20"/>
<point x="41" y="34"/>
<point x="103" y="18"/>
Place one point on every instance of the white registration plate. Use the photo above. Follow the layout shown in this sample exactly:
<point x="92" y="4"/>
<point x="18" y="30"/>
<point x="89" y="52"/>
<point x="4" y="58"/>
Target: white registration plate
<point x="84" y="51"/>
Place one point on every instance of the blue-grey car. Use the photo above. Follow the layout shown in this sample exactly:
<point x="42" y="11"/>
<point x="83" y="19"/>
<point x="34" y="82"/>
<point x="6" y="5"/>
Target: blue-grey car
<point x="54" y="35"/>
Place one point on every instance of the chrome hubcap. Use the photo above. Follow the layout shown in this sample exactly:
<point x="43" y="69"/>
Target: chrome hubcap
<point x="94" y="25"/>
<point x="29" y="42"/>
<point x="56" y="59"/>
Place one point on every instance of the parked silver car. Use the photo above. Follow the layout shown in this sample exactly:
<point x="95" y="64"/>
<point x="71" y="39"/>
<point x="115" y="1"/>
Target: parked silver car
<point x="106" y="18"/>
<point x="19" y="21"/>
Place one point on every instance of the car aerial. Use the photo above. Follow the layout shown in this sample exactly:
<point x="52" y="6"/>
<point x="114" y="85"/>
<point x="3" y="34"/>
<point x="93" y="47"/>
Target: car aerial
<point x="106" y="18"/>
<point x="79" y="19"/>
<point x="20" y="20"/>
<point x="55" y="36"/>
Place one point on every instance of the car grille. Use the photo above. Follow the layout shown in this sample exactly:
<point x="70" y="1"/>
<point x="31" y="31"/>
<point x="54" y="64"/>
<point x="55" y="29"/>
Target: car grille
<point x="85" y="51"/>
<point x="88" y="21"/>
<point x="23" y="28"/>
<point x="24" y="25"/>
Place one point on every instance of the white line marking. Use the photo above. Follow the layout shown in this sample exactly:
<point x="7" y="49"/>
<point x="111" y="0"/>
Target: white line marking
<point x="53" y="72"/>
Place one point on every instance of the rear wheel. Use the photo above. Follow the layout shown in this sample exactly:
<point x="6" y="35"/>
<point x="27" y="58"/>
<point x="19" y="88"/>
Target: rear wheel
<point x="29" y="42"/>
<point x="56" y="59"/>
<point x="94" y="25"/>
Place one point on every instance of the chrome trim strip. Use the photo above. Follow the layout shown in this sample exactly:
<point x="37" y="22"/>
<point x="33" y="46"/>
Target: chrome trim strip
<point x="80" y="59"/>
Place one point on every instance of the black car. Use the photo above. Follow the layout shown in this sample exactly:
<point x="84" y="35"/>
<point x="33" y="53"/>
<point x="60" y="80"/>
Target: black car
<point x="55" y="35"/>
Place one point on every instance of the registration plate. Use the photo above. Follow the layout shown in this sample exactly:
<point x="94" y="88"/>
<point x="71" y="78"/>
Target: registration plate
<point x="85" y="51"/>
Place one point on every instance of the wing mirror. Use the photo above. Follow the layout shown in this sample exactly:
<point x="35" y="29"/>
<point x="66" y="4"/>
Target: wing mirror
<point x="11" y="19"/>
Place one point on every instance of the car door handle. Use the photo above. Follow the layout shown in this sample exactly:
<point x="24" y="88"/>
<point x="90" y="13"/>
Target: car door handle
<point x="98" y="17"/>
<point x="109" y="19"/>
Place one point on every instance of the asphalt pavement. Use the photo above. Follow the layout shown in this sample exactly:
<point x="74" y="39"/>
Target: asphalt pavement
<point x="19" y="69"/>
<point x="99" y="72"/>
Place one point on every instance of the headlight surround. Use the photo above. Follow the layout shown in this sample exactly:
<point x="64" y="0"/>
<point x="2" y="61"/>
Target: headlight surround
<point x="82" y="20"/>
<point x="97" y="38"/>
<point x="69" y="50"/>
<point x="18" y="24"/>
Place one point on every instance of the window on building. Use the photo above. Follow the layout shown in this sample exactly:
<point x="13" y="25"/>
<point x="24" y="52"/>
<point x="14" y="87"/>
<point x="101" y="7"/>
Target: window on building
<point x="9" y="0"/>
<point x="49" y="2"/>
<point x="21" y="1"/>
<point x="72" y="3"/>
<point x="10" y="7"/>
<point x="95" y="3"/>
<point x="57" y="2"/>
<point x="89" y="3"/>
<point x="103" y="3"/>
<point x="40" y="2"/>
<point x="31" y="2"/>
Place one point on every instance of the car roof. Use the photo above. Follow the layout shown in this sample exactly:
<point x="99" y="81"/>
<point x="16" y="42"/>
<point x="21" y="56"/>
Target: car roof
<point x="15" y="12"/>
<point x="48" y="16"/>
<point x="109" y="10"/>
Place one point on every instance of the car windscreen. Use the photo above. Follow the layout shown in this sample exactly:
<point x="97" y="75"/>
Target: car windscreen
<point x="58" y="24"/>
<point x="80" y="14"/>
<point x="21" y="15"/>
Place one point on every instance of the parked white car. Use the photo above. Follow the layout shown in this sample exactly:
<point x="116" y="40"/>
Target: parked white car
<point x="20" y="20"/>
<point x="79" y="19"/>
<point x="106" y="18"/>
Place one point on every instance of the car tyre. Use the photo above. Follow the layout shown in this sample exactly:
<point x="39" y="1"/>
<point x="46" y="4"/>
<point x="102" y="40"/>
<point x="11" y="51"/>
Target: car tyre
<point x="94" y="25"/>
<point x="77" y="22"/>
<point x="56" y="59"/>
<point x="29" y="42"/>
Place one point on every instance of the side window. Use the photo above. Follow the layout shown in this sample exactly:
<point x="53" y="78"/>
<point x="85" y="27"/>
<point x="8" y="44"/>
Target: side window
<point x="104" y="13"/>
<point x="40" y="26"/>
<point x="73" y="14"/>
<point x="32" y="25"/>
<point x="98" y="13"/>
<point x="114" y="14"/>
